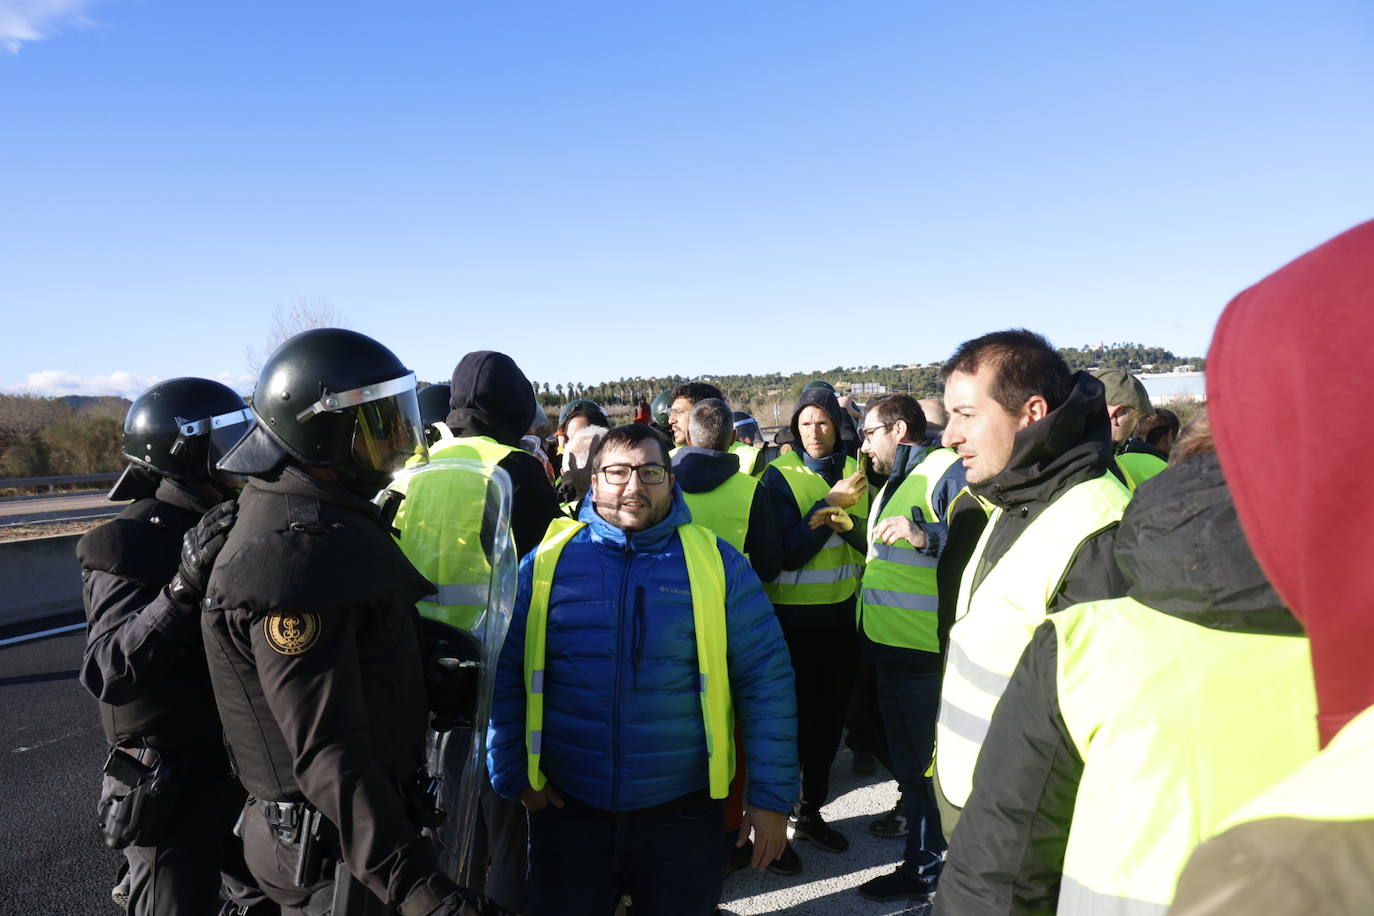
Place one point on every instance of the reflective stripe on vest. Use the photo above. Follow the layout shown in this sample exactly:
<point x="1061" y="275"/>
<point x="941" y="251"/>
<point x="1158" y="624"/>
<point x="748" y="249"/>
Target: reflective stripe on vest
<point x="706" y="578"/>
<point x="1138" y="467"/>
<point x="438" y="519"/>
<point x="1335" y="785"/>
<point x="725" y="510"/>
<point x="831" y="575"/>
<point x="994" y="622"/>
<point x="1077" y="900"/>
<point x="748" y="458"/>
<point x="898" y="602"/>
<point x="1178" y="725"/>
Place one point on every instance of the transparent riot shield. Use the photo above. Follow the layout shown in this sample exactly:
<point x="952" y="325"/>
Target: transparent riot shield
<point x="454" y="526"/>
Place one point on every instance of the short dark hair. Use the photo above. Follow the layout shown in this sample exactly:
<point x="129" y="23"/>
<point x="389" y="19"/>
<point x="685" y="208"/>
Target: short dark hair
<point x="1025" y="365"/>
<point x="1154" y="428"/>
<point x="695" y="391"/>
<point x="890" y="408"/>
<point x="594" y="415"/>
<point x="630" y="434"/>
<point x="711" y="425"/>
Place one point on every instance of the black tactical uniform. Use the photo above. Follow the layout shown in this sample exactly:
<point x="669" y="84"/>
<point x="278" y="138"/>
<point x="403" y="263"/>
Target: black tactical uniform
<point x="314" y="647"/>
<point x="168" y="797"/>
<point x="313" y="644"/>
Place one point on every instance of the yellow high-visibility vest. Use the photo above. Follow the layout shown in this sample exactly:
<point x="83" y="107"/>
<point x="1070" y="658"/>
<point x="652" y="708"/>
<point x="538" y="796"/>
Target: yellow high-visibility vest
<point x="1138" y="467"/>
<point x="725" y="510"/>
<point x="440" y="521"/>
<point x="1178" y="725"/>
<point x="899" y="604"/>
<point x="706" y="575"/>
<point x="994" y="622"/>
<point x="832" y="575"/>
<point x="748" y="458"/>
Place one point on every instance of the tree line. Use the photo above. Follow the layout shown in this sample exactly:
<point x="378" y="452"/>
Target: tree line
<point x="42" y="437"/>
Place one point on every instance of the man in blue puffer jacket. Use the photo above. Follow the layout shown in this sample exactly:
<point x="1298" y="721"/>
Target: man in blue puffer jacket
<point x="618" y="715"/>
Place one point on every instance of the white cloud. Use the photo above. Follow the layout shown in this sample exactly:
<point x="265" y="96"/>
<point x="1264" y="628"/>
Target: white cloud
<point x="59" y="382"/>
<point x="34" y="20"/>
<point x="241" y="382"/>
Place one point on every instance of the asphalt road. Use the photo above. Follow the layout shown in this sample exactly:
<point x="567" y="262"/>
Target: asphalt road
<point x="52" y="861"/>
<point x="51" y="750"/>
<point x="67" y="506"/>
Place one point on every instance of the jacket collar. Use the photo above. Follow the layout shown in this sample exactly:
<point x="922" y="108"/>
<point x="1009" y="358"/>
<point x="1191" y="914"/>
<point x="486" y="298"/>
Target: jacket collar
<point x="1070" y="444"/>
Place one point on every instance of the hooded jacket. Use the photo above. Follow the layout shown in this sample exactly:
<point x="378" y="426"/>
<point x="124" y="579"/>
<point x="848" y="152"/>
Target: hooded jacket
<point x="490" y="396"/>
<point x="1069" y="445"/>
<point x="143" y="658"/>
<point x="1182" y="554"/>
<point x="1302" y="333"/>
<point x="701" y="470"/>
<point x="623" y="726"/>
<point x="799" y="541"/>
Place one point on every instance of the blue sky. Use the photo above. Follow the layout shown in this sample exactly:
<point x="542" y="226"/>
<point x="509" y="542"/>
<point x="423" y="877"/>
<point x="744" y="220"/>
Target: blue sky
<point x="607" y="189"/>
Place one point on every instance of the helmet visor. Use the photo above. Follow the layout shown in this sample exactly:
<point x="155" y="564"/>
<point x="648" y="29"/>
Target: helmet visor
<point x="388" y="433"/>
<point x="226" y="430"/>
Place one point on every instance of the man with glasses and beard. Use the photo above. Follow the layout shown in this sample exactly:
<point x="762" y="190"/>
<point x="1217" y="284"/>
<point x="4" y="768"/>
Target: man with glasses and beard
<point x="639" y="639"/>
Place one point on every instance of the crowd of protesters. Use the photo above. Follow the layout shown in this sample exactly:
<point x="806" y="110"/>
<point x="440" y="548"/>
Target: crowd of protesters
<point x="1114" y="666"/>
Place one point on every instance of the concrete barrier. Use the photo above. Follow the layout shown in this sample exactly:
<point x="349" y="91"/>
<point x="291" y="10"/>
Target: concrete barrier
<point x="39" y="578"/>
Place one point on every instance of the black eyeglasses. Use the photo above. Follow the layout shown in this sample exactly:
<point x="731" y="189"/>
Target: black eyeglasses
<point x="649" y="474"/>
<point x="871" y="430"/>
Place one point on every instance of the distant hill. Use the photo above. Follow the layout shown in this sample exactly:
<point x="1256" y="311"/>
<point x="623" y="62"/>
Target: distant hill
<point x="749" y="392"/>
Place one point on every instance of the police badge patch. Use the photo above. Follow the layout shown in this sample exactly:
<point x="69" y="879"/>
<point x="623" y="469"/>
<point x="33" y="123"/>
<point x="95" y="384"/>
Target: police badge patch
<point x="291" y="634"/>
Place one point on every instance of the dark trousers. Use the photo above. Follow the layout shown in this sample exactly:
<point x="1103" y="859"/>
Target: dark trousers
<point x="824" y="660"/>
<point x="863" y="720"/>
<point x="909" y="700"/>
<point x="197" y="854"/>
<point x="669" y="862"/>
<point x="505" y="840"/>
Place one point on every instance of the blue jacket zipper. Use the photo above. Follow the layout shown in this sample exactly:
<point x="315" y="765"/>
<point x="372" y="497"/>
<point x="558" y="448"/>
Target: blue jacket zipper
<point x="627" y="556"/>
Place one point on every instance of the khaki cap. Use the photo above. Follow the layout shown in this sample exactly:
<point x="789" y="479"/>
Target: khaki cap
<point x="1125" y="390"/>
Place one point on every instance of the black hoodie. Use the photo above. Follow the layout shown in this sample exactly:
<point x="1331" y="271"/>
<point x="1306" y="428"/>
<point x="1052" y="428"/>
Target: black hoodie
<point x="799" y="541"/>
<point x="490" y="396"/>
<point x="1182" y="553"/>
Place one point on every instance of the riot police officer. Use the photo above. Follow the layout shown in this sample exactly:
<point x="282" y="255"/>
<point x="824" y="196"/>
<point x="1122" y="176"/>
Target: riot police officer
<point x="311" y="635"/>
<point x="168" y="798"/>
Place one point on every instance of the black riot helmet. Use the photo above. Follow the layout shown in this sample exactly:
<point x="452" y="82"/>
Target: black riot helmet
<point x="434" y="400"/>
<point x="660" y="407"/>
<point x="746" y="427"/>
<point x="181" y="428"/>
<point x="333" y="398"/>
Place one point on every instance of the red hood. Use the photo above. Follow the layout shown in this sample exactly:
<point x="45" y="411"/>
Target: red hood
<point x="1292" y="352"/>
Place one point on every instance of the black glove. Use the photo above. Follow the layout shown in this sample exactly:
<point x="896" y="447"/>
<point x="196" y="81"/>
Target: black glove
<point x="438" y="896"/>
<point x="199" y="548"/>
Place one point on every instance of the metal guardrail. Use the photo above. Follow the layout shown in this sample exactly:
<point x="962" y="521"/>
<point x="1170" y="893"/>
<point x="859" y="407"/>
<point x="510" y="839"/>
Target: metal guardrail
<point x="53" y="482"/>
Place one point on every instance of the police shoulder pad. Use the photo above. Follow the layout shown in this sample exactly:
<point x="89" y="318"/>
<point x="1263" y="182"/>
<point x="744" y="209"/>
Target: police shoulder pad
<point x="312" y="572"/>
<point x="133" y="549"/>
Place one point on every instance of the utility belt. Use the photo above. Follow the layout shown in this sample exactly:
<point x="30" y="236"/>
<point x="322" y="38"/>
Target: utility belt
<point x="141" y="788"/>
<point x="319" y="855"/>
